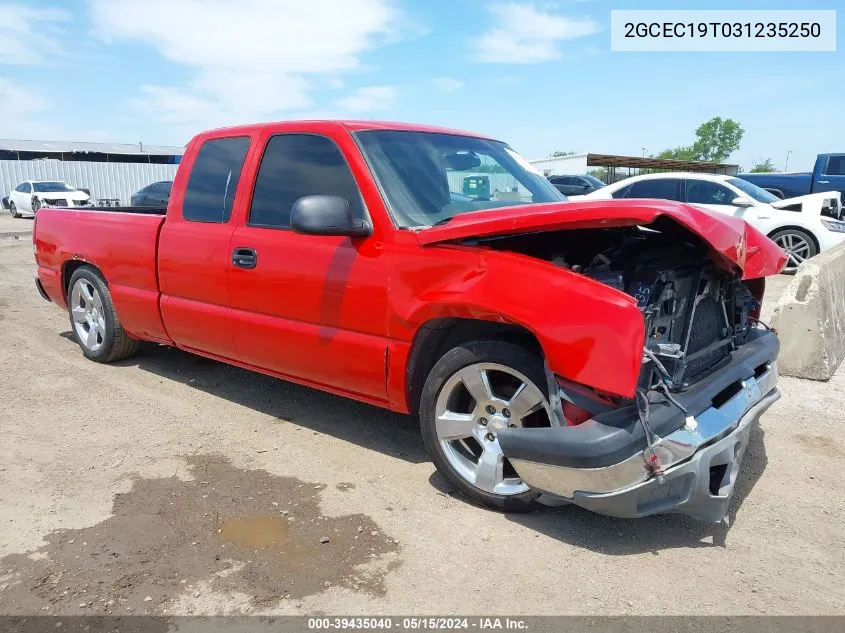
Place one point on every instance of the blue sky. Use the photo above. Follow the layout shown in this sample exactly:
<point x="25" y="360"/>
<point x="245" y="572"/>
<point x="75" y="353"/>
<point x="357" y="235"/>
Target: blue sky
<point x="539" y="75"/>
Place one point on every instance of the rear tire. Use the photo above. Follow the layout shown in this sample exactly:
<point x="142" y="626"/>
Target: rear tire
<point x="93" y="319"/>
<point x="13" y="210"/>
<point x="799" y="246"/>
<point x="468" y="455"/>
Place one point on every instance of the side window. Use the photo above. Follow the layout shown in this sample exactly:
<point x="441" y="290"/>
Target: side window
<point x="24" y="187"/>
<point x="214" y="180"/>
<point x="835" y="166"/>
<point x="297" y="165"/>
<point x="706" y="192"/>
<point x="621" y="193"/>
<point x="660" y="188"/>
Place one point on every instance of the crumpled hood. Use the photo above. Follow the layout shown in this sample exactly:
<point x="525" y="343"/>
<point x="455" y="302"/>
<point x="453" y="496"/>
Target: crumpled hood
<point x="813" y="204"/>
<point x="734" y="243"/>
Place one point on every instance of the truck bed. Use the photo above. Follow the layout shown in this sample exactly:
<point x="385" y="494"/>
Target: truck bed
<point x="121" y="244"/>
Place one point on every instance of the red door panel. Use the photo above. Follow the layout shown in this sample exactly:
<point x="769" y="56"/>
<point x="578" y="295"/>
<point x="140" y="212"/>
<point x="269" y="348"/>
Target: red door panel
<point x="313" y="308"/>
<point x="194" y="258"/>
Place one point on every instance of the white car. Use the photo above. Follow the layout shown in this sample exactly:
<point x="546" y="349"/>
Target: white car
<point x="803" y="226"/>
<point x="31" y="195"/>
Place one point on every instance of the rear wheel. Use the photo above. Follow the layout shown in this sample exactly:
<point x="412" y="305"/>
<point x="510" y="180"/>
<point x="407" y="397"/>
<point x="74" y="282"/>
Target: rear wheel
<point x="474" y="391"/>
<point x="93" y="319"/>
<point x="13" y="210"/>
<point x="798" y="245"/>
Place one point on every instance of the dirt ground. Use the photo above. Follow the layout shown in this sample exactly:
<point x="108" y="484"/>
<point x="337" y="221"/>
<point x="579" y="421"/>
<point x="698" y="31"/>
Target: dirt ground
<point x="171" y="484"/>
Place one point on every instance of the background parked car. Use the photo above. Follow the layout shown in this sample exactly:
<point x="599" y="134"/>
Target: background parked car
<point x="802" y="226"/>
<point x="827" y="175"/>
<point x="155" y="195"/>
<point x="576" y="185"/>
<point x="32" y="195"/>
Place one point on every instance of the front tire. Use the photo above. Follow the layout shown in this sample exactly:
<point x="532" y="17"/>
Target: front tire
<point x="93" y="319"/>
<point x="799" y="246"/>
<point x="472" y="392"/>
<point x="13" y="210"/>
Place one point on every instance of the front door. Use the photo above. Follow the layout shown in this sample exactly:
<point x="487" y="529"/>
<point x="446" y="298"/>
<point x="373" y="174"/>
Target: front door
<point x="311" y="308"/>
<point x="714" y="196"/>
<point x="832" y="177"/>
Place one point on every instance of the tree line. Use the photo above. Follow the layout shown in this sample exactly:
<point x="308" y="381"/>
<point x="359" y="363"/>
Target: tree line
<point x="715" y="140"/>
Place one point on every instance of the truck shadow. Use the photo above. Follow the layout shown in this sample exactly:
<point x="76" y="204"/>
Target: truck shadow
<point x="398" y="436"/>
<point x="367" y="426"/>
<point x="622" y="537"/>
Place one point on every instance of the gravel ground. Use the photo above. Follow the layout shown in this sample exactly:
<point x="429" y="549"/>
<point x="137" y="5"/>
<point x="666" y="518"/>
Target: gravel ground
<point x="173" y="484"/>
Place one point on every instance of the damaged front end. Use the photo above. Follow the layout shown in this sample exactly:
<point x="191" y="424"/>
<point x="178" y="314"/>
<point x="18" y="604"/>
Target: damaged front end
<point x="708" y="372"/>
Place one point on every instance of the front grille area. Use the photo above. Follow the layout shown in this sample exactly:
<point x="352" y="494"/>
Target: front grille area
<point x="690" y="327"/>
<point x="708" y="327"/>
<point x="56" y="202"/>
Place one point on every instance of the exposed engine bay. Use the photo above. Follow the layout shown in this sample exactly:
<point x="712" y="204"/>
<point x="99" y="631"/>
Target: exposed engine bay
<point x="695" y="313"/>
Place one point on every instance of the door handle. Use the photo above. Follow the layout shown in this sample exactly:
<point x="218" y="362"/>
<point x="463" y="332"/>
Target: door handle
<point x="823" y="182"/>
<point x="244" y="258"/>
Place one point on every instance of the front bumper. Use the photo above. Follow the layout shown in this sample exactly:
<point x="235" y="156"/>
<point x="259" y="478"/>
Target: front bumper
<point x="700" y="462"/>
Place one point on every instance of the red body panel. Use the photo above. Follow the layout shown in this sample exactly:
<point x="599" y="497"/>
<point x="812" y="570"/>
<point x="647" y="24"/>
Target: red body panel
<point x="342" y="314"/>
<point x="730" y="237"/>
<point x="121" y="245"/>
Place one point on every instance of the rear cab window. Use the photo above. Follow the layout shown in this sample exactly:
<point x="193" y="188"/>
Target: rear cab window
<point x="214" y="178"/>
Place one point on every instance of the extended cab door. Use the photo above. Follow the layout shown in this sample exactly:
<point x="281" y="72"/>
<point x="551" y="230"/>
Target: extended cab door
<point x="194" y="247"/>
<point x="830" y="175"/>
<point x="307" y="307"/>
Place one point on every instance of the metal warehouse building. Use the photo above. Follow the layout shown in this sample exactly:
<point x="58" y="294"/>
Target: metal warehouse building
<point x="110" y="171"/>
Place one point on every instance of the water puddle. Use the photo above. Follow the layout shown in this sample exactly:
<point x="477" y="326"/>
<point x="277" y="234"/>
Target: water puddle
<point x="244" y="531"/>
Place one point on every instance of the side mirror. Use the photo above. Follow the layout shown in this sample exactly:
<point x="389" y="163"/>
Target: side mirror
<point x="742" y="201"/>
<point x="326" y="215"/>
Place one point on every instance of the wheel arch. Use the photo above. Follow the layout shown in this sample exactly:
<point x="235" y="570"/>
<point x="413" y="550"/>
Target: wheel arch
<point x="438" y="335"/>
<point x="797" y="227"/>
<point x="70" y="267"/>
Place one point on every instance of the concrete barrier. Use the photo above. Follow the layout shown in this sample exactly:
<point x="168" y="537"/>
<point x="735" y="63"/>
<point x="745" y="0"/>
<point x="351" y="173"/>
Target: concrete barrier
<point x="810" y="318"/>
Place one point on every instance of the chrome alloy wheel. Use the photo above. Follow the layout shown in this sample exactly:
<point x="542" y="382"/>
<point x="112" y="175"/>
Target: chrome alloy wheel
<point x="796" y="247"/>
<point x="476" y="403"/>
<point x="89" y="321"/>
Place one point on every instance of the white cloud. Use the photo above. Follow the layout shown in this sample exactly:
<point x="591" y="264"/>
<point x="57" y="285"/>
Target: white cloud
<point x="446" y="85"/>
<point x="525" y="34"/>
<point x="251" y="59"/>
<point x="369" y="99"/>
<point x="30" y="34"/>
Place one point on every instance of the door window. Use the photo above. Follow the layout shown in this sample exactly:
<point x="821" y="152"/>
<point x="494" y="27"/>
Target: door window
<point x="660" y="188"/>
<point x="297" y="165"/>
<point x="214" y="180"/>
<point x="707" y="192"/>
<point x="835" y="166"/>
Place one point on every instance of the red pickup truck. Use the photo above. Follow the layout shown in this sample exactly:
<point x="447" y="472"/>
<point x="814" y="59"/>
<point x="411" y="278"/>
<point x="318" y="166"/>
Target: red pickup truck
<point x="604" y="353"/>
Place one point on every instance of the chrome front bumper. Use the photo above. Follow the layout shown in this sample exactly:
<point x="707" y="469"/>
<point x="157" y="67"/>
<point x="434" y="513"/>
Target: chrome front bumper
<point x="700" y="463"/>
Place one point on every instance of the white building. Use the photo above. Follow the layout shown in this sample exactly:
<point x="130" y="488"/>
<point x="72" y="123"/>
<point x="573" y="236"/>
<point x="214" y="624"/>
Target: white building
<point x="574" y="165"/>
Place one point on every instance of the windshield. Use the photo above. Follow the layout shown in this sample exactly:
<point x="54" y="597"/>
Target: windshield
<point x="760" y="195"/>
<point x="593" y="181"/>
<point x="46" y="187"/>
<point x="429" y="178"/>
